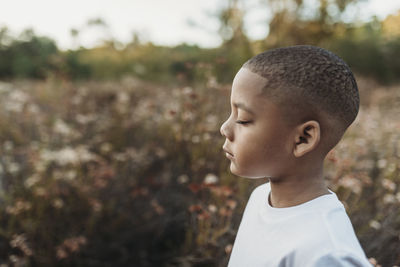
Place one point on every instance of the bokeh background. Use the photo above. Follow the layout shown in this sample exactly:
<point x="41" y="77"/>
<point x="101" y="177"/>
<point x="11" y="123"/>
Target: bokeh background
<point x="110" y="151"/>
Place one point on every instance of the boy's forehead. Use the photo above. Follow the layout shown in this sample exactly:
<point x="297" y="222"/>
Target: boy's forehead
<point x="248" y="79"/>
<point x="248" y="83"/>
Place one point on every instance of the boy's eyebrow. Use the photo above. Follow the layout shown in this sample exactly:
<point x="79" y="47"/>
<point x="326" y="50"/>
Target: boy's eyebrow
<point x="243" y="106"/>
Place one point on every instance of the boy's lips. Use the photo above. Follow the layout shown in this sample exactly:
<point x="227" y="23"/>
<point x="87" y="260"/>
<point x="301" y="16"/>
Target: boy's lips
<point x="228" y="153"/>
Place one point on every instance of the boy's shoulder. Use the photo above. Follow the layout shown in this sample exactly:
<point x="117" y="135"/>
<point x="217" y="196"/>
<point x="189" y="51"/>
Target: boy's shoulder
<point x="316" y="231"/>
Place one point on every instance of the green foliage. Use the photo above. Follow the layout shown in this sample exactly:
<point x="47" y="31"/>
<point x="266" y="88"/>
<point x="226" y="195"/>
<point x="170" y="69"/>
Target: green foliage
<point x="29" y="56"/>
<point x="369" y="53"/>
<point x="73" y="67"/>
<point x="369" y="49"/>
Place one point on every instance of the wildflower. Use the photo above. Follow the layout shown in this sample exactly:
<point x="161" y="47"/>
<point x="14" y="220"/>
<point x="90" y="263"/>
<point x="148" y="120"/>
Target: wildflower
<point x="352" y="183"/>
<point x="20" y="241"/>
<point x="195" y="208"/>
<point x="183" y="179"/>
<point x="70" y="245"/>
<point x="8" y="145"/>
<point x="5" y="87"/>
<point x="18" y="207"/>
<point x="398" y="196"/>
<point x="206" y="136"/>
<point x="194" y="187"/>
<point x="40" y="192"/>
<point x="157" y="207"/>
<point x="195" y="139"/>
<point x="225" y="191"/>
<point x="375" y="224"/>
<point x="382" y="163"/>
<point x="13" y="167"/>
<point x="228" y="248"/>
<point x="33" y="109"/>
<point x="95" y="204"/>
<point x="62" y="128"/>
<point x="374" y="262"/>
<point x="225" y="212"/>
<point x="58" y="203"/>
<point x="187" y="90"/>
<point x="32" y="180"/>
<point x="210" y="179"/>
<point x="85" y="119"/>
<point x="212" y="208"/>
<point x="68" y="155"/>
<point x="123" y="97"/>
<point x="388" y="184"/>
<point x="106" y="147"/>
<point x="204" y="215"/>
<point x="16" y="101"/>
<point x="231" y="204"/>
<point x="389" y="199"/>
<point x="61" y="253"/>
<point x="160" y="152"/>
<point x="70" y="175"/>
<point x="188" y="116"/>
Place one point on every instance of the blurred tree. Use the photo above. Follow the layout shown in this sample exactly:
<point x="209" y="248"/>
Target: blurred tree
<point x="5" y="38"/>
<point x="103" y="26"/>
<point x="236" y="47"/>
<point x="75" y="37"/>
<point x="27" y="56"/>
<point x="5" y="41"/>
<point x="299" y="22"/>
<point x="391" y="26"/>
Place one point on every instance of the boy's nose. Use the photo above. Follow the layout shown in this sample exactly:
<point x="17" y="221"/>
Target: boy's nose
<point x="225" y="131"/>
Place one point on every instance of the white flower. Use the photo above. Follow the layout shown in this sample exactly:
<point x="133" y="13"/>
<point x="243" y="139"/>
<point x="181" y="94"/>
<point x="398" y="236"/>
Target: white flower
<point x="16" y="101"/>
<point x="5" y="87"/>
<point x="195" y="139"/>
<point x="123" y="97"/>
<point x="388" y="184"/>
<point x="375" y="224"/>
<point x="351" y="183"/>
<point x="389" y="198"/>
<point x="210" y="179"/>
<point x="84" y="119"/>
<point x="13" y="167"/>
<point x="212" y="208"/>
<point x="62" y="128"/>
<point x="8" y="145"/>
<point x="183" y="179"/>
<point x="187" y="90"/>
<point x="32" y="180"/>
<point x="58" y="203"/>
<point x="106" y="147"/>
<point x="398" y="196"/>
<point x="68" y="155"/>
<point x="382" y="163"/>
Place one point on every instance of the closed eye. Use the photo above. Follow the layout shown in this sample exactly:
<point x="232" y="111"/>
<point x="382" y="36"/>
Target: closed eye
<point x="243" y="122"/>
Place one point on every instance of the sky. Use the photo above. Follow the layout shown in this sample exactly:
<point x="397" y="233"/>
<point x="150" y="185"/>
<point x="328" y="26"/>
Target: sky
<point x="164" y="22"/>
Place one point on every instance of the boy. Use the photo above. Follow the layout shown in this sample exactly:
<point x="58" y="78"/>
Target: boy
<point x="290" y="107"/>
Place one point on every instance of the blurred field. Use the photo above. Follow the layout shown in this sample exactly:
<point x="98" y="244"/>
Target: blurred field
<point x="112" y="156"/>
<point x="123" y="172"/>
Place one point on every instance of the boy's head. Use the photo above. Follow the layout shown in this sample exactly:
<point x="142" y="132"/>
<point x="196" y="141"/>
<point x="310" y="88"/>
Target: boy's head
<point x="296" y="103"/>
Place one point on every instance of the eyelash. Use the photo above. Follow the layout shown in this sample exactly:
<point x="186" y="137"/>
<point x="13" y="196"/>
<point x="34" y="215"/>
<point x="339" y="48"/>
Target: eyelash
<point x="242" y="122"/>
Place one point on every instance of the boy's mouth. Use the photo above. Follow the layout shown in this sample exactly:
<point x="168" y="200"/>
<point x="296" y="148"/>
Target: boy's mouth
<point x="227" y="153"/>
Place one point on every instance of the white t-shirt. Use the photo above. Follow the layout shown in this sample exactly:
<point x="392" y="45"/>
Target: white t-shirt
<point x="315" y="233"/>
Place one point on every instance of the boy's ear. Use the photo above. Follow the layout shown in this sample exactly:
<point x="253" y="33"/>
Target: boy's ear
<point x="307" y="138"/>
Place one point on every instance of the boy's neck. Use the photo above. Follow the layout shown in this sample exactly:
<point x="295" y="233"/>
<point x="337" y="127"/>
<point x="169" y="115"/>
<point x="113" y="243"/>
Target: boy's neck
<point x="297" y="189"/>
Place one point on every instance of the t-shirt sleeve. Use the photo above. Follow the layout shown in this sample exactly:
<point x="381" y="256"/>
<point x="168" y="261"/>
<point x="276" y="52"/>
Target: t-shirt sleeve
<point x="339" y="259"/>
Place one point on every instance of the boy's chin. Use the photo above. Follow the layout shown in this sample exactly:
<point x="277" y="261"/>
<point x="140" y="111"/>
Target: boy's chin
<point x="244" y="174"/>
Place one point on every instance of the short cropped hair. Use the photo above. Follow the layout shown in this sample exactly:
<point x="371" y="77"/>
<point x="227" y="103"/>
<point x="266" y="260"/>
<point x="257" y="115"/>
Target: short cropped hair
<point x="309" y="78"/>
